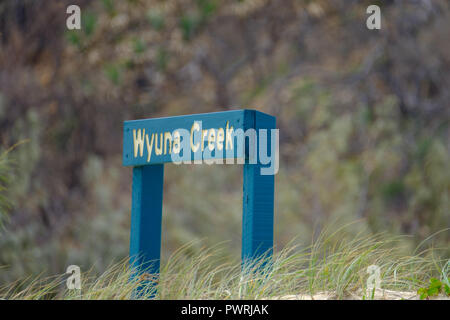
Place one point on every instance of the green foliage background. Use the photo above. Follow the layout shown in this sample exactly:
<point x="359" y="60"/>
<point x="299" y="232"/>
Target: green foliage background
<point x="363" y="118"/>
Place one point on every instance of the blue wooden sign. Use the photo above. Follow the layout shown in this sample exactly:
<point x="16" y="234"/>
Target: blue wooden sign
<point x="246" y="137"/>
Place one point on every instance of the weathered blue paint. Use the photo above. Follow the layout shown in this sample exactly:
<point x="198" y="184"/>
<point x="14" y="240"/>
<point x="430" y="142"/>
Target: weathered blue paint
<point x="148" y="179"/>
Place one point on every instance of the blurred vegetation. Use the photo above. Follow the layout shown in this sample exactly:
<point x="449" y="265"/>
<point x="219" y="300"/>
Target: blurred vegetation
<point x="363" y="117"/>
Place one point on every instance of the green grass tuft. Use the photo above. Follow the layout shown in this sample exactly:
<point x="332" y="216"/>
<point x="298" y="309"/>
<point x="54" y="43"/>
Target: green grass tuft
<point x="335" y="264"/>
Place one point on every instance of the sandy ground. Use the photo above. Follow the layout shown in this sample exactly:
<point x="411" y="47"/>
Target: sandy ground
<point x="380" y="294"/>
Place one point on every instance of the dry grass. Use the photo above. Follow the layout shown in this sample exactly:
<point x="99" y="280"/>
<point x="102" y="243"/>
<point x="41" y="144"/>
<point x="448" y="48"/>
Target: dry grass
<point x="333" y="267"/>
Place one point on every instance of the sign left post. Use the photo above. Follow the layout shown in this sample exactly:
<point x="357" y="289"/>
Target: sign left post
<point x="146" y="220"/>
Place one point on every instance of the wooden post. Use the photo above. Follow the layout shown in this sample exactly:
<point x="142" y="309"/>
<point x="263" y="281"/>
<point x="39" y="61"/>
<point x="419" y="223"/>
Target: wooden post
<point x="257" y="214"/>
<point x="258" y="201"/>
<point x="146" y="218"/>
